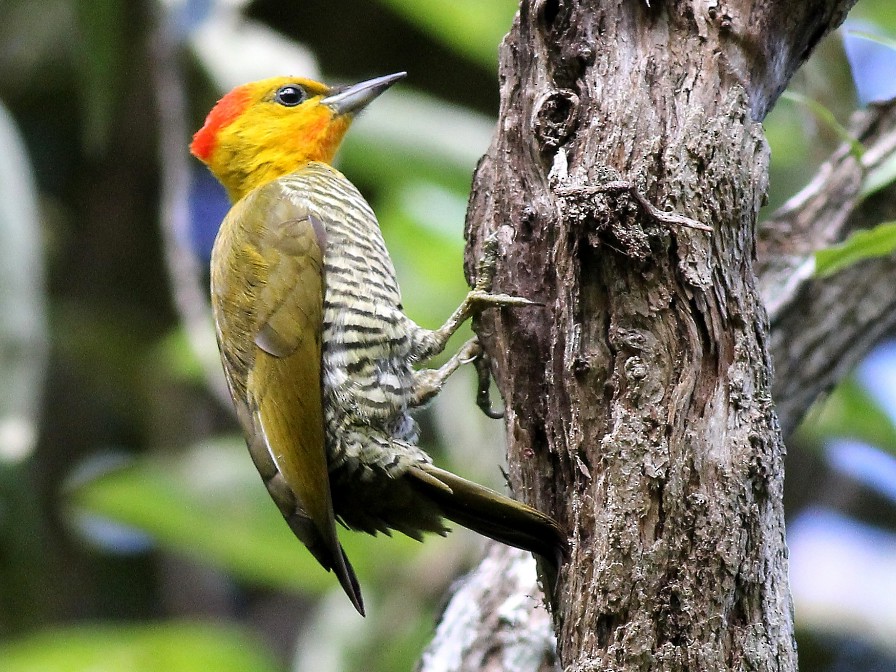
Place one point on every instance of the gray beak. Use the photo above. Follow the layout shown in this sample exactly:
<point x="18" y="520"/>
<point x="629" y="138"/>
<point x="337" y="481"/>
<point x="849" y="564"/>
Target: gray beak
<point x="349" y="99"/>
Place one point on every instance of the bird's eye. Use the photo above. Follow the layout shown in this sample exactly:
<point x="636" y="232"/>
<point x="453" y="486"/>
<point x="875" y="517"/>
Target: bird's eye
<point x="290" y="95"/>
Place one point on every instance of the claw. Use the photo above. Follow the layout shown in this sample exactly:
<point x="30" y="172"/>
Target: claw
<point x="485" y="276"/>
<point x="470" y="352"/>
<point x="508" y="300"/>
<point x="488" y="263"/>
<point x="483" y="299"/>
<point x="483" y="400"/>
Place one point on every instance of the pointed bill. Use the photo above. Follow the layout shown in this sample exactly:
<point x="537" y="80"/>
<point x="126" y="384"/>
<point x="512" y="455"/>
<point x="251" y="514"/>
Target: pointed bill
<point x="350" y="99"/>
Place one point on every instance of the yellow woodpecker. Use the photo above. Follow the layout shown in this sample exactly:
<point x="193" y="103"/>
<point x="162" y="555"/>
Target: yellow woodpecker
<point x="317" y="352"/>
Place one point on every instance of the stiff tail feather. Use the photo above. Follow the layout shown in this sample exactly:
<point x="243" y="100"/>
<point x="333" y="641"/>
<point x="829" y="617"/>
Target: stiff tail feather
<point x="492" y="514"/>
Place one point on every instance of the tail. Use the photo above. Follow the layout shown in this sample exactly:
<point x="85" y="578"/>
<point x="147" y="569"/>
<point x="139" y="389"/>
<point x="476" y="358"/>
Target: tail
<point x="492" y="514"/>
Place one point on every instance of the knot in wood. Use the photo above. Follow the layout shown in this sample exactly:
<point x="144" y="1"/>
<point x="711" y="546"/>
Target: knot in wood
<point x="548" y="11"/>
<point x="609" y="211"/>
<point x="631" y="339"/>
<point x="635" y="368"/>
<point x="555" y="118"/>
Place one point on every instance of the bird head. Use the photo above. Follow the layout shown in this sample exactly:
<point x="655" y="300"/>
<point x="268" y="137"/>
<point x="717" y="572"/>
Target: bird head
<point x="267" y="129"/>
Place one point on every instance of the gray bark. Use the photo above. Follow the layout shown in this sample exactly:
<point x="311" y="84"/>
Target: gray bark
<point x="639" y="397"/>
<point x="819" y="330"/>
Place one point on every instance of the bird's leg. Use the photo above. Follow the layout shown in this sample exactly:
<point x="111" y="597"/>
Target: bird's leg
<point x="431" y="343"/>
<point x="428" y="382"/>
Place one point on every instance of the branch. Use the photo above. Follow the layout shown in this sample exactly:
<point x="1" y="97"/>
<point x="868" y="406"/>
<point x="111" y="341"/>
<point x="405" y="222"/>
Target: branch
<point x="822" y="328"/>
<point x="496" y="620"/>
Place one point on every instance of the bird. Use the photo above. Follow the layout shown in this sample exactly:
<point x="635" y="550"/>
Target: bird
<point x="321" y="362"/>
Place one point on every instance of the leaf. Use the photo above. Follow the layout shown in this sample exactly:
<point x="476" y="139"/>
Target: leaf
<point x="871" y="58"/>
<point x="208" y="503"/>
<point x="827" y="117"/>
<point x="473" y="28"/>
<point x="879" y="241"/>
<point x="23" y="329"/>
<point x="423" y="226"/>
<point x="851" y="412"/>
<point x="176" y="502"/>
<point x="23" y="361"/>
<point x="235" y="49"/>
<point x="157" y="647"/>
<point x="175" y="354"/>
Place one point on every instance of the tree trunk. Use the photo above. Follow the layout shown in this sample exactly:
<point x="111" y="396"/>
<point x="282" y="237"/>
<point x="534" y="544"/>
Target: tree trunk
<point x="639" y="396"/>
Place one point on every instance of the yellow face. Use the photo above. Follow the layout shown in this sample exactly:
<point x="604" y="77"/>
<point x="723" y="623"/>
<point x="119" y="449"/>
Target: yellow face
<point x="267" y="129"/>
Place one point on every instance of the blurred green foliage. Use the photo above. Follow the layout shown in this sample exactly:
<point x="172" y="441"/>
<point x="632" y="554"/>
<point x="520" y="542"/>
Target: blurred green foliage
<point x="174" y="646"/>
<point x="204" y="501"/>
<point x="826" y="117"/>
<point x="472" y="27"/>
<point x="850" y="412"/>
<point x="879" y="241"/>
<point x="122" y="373"/>
<point x="102" y="42"/>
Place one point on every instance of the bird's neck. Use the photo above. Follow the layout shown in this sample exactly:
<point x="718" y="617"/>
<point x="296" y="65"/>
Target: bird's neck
<point x="242" y="178"/>
<point x="278" y="151"/>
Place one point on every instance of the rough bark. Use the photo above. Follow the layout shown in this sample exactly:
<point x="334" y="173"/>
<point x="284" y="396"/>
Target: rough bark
<point x="819" y="330"/>
<point x="639" y="398"/>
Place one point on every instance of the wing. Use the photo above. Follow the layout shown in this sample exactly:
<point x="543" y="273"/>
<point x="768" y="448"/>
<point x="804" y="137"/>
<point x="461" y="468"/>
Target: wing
<point x="270" y="293"/>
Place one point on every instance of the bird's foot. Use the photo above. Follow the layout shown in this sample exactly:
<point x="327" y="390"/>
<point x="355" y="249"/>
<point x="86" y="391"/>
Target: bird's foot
<point x="488" y="264"/>
<point x="479" y="300"/>
<point x="484" y="380"/>
<point x="470" y="352"/>
<point x="481" y="296"/>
